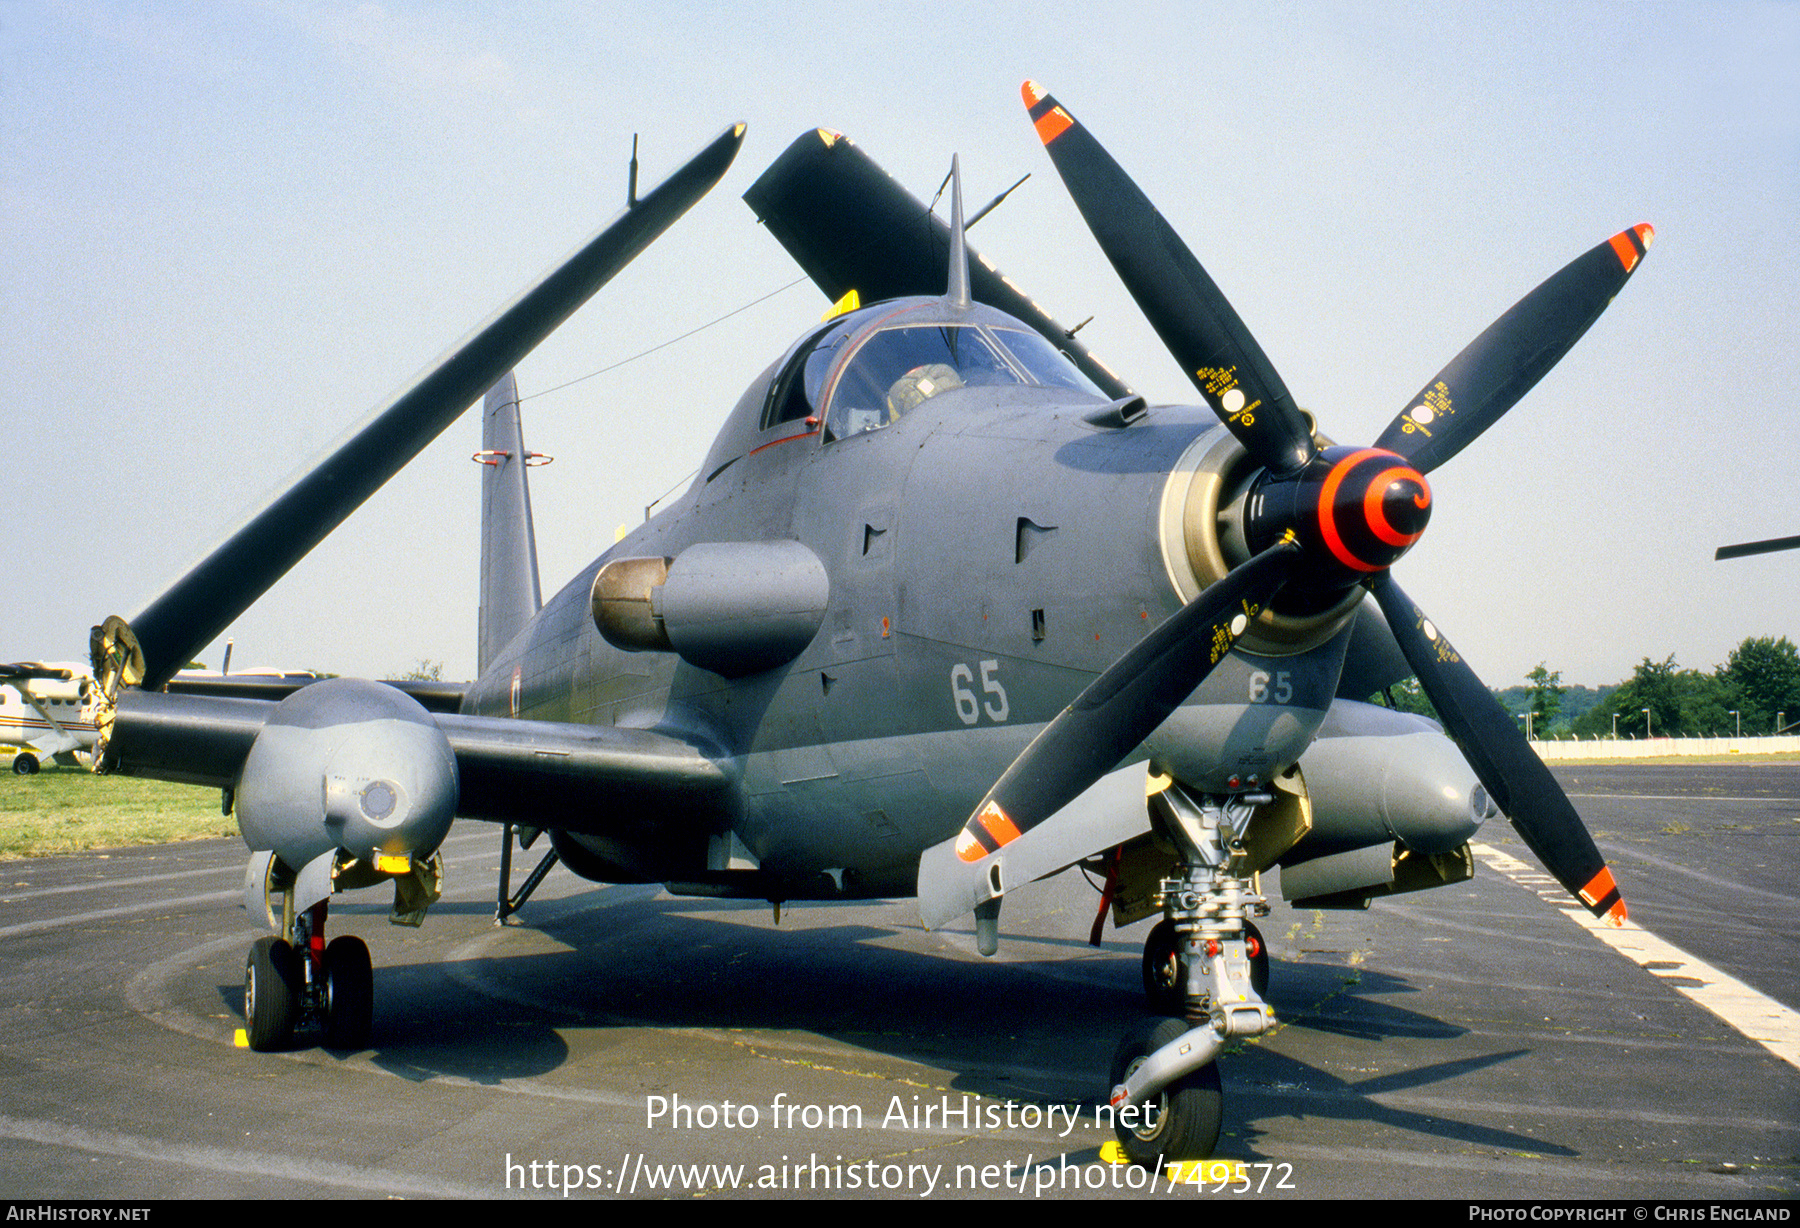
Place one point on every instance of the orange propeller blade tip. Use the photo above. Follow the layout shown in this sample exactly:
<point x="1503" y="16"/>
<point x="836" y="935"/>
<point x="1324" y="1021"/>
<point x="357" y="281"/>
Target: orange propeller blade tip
<point x="1599" y="890"/>
<point x="1631" y="245"/>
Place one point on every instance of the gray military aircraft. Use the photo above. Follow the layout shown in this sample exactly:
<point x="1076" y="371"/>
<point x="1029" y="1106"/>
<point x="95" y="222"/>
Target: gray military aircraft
<point x="947" y="609"/>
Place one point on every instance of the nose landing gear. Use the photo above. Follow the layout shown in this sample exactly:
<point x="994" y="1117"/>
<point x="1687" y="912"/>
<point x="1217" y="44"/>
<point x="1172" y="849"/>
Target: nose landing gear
<point x="1164" y="981"/>
<point x="1206" y="965"/>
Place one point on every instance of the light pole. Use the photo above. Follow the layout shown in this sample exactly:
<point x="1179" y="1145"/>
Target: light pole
<point x="1526" y="717"/>
<point x="1615" y="726"/>
<point x="1740" y="721"/>
<point x="1646" y="722"/>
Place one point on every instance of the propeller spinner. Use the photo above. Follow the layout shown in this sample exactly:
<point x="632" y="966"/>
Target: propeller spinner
<point x="1319" y="520"/>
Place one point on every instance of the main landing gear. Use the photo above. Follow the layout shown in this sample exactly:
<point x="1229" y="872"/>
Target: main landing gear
<point x="1206" y="967"/>
<point x="304" y="984"/>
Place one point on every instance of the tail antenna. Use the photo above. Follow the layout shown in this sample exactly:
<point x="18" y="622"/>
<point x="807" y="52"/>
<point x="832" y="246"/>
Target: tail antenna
<point x="958" y="293"/>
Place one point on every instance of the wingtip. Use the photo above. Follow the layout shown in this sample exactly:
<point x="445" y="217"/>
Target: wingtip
<point x="1032" y="93"/>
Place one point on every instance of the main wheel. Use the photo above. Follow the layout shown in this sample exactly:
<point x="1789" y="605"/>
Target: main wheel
<point x="1163" y="990"/>
<point x="1187" y="1113"/>
<point x="349" y="993"/>
<point x="271" y="994"/>
<point x="25" y="764"/>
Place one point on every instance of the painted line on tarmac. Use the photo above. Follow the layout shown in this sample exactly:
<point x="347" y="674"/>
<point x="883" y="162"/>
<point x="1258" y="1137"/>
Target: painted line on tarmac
<point x="234" y="1162"/>
<point x="101" y="884"/>
<point x="1753" y="1013"/>
<point x="124" y="910"/>
<point x="1686" y="797"/>
<point x="151" y="905"/>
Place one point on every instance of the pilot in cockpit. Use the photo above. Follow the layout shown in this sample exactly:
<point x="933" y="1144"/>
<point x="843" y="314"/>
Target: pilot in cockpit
<point x="898" y="369"/>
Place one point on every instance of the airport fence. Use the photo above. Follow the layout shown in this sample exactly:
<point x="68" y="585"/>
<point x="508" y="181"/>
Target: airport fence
<point x="1656" y="748"/>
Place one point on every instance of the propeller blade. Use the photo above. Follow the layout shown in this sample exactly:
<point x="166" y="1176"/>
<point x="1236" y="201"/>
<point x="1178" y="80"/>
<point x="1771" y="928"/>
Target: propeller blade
<point x="1121" y="707"/>
<point x="1176" y="295"/>
<point x="178" y="624"/>
<point x="1743" y="549"/>
<point x="1516" y="351"/>
<point x="1508" y="768"/>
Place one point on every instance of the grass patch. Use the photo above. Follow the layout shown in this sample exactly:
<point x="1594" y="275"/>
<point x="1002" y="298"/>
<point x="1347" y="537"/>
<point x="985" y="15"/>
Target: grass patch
<point x="70" y="810"/>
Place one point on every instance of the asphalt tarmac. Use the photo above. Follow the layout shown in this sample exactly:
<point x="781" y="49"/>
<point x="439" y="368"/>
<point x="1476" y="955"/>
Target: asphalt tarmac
<point x="1469" y="1042"/>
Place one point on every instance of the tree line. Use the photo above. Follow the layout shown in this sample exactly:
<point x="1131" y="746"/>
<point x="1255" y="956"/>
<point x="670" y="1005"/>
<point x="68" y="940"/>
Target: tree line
<point x="1755" y="692"/>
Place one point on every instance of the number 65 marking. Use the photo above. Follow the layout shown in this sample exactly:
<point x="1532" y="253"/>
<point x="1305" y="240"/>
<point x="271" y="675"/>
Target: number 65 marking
<point x="968" y="706"/>
<point x="1261" y="692"/>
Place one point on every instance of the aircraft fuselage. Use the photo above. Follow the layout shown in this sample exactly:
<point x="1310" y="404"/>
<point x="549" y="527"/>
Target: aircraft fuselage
<point x="988" y="555"/>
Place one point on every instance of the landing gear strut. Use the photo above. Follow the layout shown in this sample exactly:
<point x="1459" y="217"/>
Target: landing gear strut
<point x="1164" y="981"/>
<point x="297" y="983"/>
<point x="1183" y="1119"/>
<point x="1204" y="963"/>
<point x="508" y="903"/>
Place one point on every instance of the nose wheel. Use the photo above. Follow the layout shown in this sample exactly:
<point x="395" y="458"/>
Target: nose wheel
<point x="1183" y="1120"/>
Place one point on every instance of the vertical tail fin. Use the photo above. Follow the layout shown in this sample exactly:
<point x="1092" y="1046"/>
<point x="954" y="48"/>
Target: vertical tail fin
<point x="509" y="574"/>
<point x="958" y="292"/>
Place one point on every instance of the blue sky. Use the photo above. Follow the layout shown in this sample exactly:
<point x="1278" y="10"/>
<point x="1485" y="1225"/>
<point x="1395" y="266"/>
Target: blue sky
<point x="226" y="230"/>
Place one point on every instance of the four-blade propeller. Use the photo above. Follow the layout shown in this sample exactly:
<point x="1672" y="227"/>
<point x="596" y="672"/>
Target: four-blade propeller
<point x="1322" y="519"/>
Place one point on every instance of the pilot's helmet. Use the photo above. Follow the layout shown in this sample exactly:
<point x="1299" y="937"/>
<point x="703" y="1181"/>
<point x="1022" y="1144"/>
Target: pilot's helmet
<point x="918" y="386"/>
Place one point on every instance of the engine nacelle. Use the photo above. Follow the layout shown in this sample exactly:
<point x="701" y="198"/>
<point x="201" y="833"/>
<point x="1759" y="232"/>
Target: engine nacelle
<point x="735" y="608"/>
<point x="1377" y="776"/>
<point x="347" y="764"/>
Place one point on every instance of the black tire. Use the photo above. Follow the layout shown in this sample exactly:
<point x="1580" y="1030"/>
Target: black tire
<point x="1189" y="1112"/>
<point x="25" y="764"/>
<point x="1163" y="991"/>
<point x="1259" y="959"/>
<point x="271" y="994"/>
<point x="349" y="994"/>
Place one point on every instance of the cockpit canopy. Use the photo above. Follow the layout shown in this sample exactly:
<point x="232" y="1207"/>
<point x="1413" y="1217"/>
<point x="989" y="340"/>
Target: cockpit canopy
<point x="866" y="370"/>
